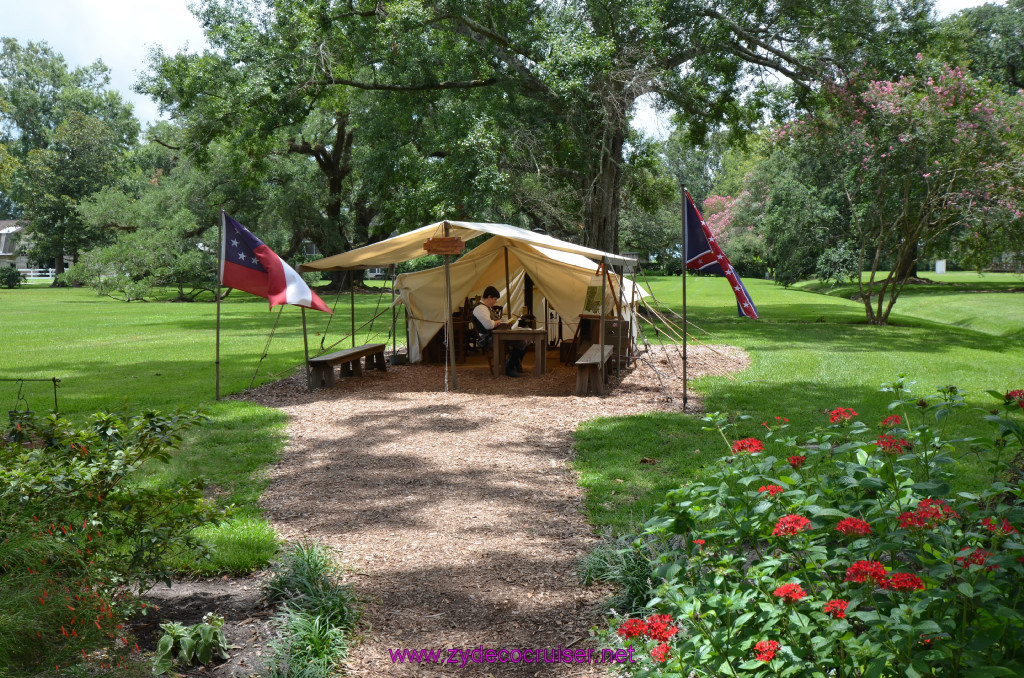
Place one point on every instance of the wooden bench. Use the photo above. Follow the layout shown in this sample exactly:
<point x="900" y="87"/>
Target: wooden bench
<point x="322" y="367"/>
<point x="588" y="368"/>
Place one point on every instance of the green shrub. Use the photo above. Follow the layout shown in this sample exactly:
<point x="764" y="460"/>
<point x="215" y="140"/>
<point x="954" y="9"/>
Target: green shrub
<point x="837" y="265"/>
<point x="621" y="563"/>
<point x="317" y="613"/>
<point x="188" y="645"/>
<point x="79" y="534"/>
<point x="10" y="277"/>
<point x="305" y="579"/>
<point x="843" y="553"/>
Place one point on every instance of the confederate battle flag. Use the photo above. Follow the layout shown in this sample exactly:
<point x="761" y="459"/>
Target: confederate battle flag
<point x="704" y="254"/>
<point x="247" y="264"/>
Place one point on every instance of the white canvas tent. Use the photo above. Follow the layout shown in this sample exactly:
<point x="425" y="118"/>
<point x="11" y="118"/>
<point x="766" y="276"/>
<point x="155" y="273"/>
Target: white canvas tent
<point x="561" y="272"/>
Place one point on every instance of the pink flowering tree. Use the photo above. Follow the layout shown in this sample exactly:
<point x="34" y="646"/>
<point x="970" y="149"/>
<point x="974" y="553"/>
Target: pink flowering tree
<point x="922" y="159"/>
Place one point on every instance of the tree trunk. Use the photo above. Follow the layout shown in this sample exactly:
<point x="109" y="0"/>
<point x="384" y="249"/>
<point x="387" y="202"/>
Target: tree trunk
<point x="906" y="267"/>
<point x="601" y="196"/>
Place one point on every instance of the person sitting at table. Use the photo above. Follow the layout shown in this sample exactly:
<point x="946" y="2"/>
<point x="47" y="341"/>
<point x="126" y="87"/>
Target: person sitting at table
<point x="485" y="325"/>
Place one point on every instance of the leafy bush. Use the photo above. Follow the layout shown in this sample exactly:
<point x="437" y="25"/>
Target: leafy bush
<point x="10" y="277"/>
<point x="843" y="552"/>
<point x="188" y="645"/>
<point x="79" y="533"/>
<point x="837" y="265"/>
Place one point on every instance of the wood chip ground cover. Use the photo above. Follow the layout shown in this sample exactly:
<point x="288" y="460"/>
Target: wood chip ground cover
<point x="456" y="515"/>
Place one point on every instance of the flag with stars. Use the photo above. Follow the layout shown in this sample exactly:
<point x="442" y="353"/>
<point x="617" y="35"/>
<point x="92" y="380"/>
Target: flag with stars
<point x="249" y="265"/>
<point x="704" y="254"/>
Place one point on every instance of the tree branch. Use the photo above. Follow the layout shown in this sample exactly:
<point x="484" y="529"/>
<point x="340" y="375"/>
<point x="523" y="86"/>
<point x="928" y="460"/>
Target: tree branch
<point x="379" y="87"/>
<point x="752" y="39"/>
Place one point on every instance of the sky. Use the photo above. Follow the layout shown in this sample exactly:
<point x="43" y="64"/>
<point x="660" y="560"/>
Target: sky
<point x="122" y="32"/>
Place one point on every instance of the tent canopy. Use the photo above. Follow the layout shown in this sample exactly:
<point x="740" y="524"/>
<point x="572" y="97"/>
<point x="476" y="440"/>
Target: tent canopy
<point x="562" y="278"/>
<point x="408" y="246"/>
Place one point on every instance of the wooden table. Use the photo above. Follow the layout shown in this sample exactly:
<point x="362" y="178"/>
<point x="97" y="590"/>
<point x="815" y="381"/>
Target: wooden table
<point x="540" y="348"/>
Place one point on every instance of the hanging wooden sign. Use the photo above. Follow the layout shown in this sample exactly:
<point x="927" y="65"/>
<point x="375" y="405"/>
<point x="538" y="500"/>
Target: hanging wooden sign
<point x="451" y="245"/>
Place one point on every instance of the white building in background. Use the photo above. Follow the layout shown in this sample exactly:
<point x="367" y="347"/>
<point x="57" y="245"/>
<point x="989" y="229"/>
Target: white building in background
<point x="10" y="238"/>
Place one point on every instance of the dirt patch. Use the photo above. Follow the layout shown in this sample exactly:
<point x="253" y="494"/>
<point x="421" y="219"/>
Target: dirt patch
<point x="247" y="620"/>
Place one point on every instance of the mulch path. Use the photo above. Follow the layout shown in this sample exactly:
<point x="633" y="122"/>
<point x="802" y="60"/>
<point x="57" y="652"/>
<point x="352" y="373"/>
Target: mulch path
<point x="456" y="514"/>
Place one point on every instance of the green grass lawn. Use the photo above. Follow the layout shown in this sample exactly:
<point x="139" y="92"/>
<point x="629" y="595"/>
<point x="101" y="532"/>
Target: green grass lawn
<point x="121" y="357"/>
<point x="810" y="353"/>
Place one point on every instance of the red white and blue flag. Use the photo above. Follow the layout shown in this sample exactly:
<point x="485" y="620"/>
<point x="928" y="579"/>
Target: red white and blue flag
<point x="703" y="254"/>
<point x="249" y="265"/>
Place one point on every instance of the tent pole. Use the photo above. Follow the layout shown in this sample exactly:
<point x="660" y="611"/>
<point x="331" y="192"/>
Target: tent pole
<point x="508" y="290"/>
<point x="305" y="345"/>
<point x="604" y="273"/>
<point x="448" y="312"/>
<point x="631" y="311"/>
<point x="620" y="322"/>
<point x="220" y="275"/>
<point x="394" y="314"/>
<point x="352" y="304"/>
<point x="682" y="189"/>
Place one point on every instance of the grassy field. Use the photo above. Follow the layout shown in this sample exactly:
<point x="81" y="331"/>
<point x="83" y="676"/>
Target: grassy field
<point x="810" y="352"/>
<point x="121" y="357"/>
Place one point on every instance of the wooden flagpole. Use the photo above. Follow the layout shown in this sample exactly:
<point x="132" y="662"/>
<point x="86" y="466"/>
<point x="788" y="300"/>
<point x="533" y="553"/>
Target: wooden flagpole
<point x="305" y="345"/>
<point x="220" y="275"/>
<point x="682" y="189"/>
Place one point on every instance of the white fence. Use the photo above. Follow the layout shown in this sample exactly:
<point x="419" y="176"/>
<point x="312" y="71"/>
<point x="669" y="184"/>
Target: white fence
<point x="34" y="273"/>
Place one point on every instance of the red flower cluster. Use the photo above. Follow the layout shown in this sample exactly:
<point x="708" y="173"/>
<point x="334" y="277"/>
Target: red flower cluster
<point x="1017" y="395"/>
<point x="796" y="461"/>
<point x="929" y="513"/>
<point x="752" y="445"/>
<point x="764" y="650"/>
<point x="851" y="526"/>
<point x="976" y="557"/>
<point x="698" y="542"/>
<point x="841" y="414"/>
<point x="631" y="628"/>
<point x="771" y="489"/>
<point x="660" y="652"/>
<point x="1005" y="528"/>
<point x="862" y="570"/>
<point x="790" y="525"/>
<point x="658" y="627"/>
<point x="890" y="445"/>
<point x="790" y="593"/>
<point x="902" y="581"/>
<point x="836" y="608"/>
<point x="891" y="420"/>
